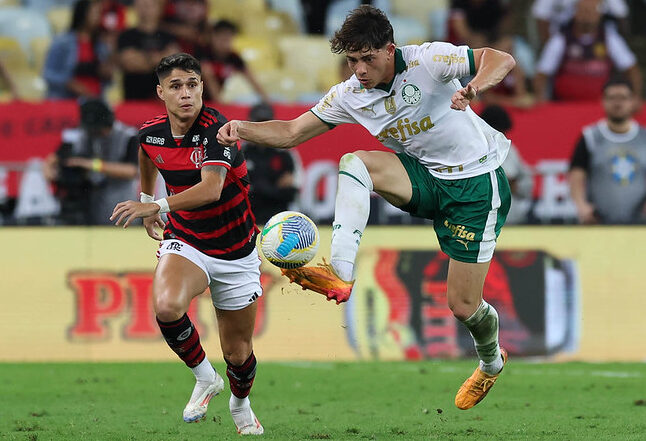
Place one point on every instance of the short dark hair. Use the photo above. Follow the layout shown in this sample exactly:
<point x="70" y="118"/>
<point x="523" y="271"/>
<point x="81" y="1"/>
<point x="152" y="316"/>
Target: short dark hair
<point x="618" y="81"/>
<point x="225" y="25"/>
<point x="180" y="60"/>
<point x="364" y="28"/>
<point x="79" y="14"/>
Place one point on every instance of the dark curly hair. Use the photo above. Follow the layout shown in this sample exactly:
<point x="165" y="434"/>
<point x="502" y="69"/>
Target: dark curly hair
<point x="364" y="28"/>
<point x="182" y="61"/>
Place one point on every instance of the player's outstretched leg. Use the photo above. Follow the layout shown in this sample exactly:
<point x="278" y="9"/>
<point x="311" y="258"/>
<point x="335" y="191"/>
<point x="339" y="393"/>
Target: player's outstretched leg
<point x="351" y="211"/>
<point x="184" y="340"/>
<point x="483" y="325"/>
<point x="240" y="381"/>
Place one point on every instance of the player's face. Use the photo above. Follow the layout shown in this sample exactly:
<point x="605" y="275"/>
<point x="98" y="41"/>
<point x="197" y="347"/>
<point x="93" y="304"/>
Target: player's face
<point x="373" y="66"/>
<point x="181" y="91"/>
<point x="618" y="102"/>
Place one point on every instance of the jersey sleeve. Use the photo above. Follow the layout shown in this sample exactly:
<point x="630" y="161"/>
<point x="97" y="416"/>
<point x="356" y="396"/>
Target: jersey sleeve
<point x="445" y="61"/>
<point x="330" y="109"/>
<point x="216" y="153"/>
<point x="580" y="156"/>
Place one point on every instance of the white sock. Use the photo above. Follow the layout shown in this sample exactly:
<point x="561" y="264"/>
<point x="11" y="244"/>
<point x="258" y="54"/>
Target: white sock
<point x="483" y="326"/>
<point x="235" y="402"/>
<point x="204" y="371"/>
<point x="351" y="212"/>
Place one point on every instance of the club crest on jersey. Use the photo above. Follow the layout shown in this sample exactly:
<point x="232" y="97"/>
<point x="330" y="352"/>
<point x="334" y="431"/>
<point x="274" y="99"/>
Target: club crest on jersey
<point x="389" y="104"/>
<point x="197" y="156"/>
<point x="411" y="94"/>
<point x="196" y="138"/>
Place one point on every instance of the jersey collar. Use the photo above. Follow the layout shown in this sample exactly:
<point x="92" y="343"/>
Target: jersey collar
<point x="400" y="66"/>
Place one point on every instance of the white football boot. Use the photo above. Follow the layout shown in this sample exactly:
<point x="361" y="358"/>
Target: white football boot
<point x="203" y="391"/>
<point x="245" y="420"/>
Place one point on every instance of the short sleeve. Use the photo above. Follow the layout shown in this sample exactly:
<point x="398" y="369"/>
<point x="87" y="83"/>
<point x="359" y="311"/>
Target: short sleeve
<point x="552" y="55"/>
<point x="216" y="153"/>
<point x="581" y="156"/>
<point x="618" y="50"/>
<point x="132" y="151"/>
<point x="445" y="61"/>
<point x="330" y="110"/>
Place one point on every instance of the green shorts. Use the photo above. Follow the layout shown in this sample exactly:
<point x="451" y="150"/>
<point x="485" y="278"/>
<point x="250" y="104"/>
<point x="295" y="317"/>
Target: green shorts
<point x="467" y="213"/>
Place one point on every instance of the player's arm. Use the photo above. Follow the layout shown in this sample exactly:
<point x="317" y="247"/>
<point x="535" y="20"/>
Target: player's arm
<point x="276" y="133"/>
<point x="491" y="67"/>
<point x="204" y="192"/>
<point x="578" y="180"/>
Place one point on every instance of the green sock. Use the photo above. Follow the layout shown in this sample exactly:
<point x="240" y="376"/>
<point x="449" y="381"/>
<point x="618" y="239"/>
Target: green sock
<point x="483" y="325"/>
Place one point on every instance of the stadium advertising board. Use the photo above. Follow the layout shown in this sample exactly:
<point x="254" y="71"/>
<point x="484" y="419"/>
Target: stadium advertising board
<point x="564" y="292"/>
<point x="540" y="134"/>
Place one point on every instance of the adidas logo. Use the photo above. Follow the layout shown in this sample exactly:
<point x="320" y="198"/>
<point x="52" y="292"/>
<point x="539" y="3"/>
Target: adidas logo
<point x="159" y="159"/>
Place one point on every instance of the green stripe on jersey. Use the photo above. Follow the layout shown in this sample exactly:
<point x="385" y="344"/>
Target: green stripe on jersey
<point x="472" y="62"/>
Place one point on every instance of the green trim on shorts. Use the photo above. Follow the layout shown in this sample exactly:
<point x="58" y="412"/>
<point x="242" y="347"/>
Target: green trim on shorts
<point x="461" y="209"/>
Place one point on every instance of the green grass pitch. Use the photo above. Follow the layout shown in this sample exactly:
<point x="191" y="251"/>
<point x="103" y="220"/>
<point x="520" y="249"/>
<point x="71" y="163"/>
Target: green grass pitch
<point x="337" y="401"/>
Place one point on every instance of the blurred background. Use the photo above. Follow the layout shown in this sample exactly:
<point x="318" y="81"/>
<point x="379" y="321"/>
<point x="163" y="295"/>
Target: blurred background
<point x="76" y="81"/>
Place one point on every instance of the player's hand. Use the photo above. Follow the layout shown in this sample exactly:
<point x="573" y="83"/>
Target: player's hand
<point x="151" y="222"/>
<point x="461" y="98"/>
<point x="228" y="133"/>
<point x="126" y="212"/>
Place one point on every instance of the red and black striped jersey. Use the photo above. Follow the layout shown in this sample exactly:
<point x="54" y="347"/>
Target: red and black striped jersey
<point x="224" y="229"/>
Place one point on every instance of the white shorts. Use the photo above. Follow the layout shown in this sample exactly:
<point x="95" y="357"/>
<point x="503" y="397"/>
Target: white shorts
<point x="234" y="284"/>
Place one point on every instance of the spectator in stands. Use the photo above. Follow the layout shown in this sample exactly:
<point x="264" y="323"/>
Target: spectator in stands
<point x="187" y="21"/>
<point x="77" y="63"/>
<point x="608" y="167"/>
<point x="518" y="173"/>
<point x="581" y="58"/>
<point x="271" y="172"/>
<point x="94" y="167"/>
<point x="477" y="23"/>
<point x="141" y="48"/>
<point x="221" y="62"/>
<point x="113" y="22"/>
<point x="551" y="15"/>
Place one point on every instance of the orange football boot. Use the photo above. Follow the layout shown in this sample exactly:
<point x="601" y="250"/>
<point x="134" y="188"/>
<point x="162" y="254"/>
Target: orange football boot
<point x="321" y="279"/>
<point x="476" y="387"/>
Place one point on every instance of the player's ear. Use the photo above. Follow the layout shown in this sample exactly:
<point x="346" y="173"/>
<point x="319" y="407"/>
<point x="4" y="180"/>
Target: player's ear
<point x="390" y="49"/>
<point x="160" y="92"/>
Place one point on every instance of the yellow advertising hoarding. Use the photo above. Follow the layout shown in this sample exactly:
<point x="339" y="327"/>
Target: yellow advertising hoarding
<point x="84" y="294"/>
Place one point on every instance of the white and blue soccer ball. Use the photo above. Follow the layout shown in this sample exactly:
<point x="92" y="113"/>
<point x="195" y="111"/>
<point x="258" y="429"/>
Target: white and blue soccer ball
<point x="289" y="240"/>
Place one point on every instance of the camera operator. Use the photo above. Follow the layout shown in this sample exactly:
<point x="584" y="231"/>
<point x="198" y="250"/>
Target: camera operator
<point x="94" y="167"/>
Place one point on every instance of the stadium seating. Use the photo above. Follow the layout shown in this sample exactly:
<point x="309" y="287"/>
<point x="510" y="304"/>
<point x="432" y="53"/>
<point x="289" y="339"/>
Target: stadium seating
<point x="237" y="90"/>
<point x="268" y="25"/>
<point x="310" y="56"/>
<point x="295" y="10"/>
<point x="13" y="56"/>
<point x="259" y="53"/>
<point x="60" y="19"/>
<point x="39" y="48"/>
<point x="30" y="85"/>
<point x="4" y="3"/>
<point x="23" y="25"/>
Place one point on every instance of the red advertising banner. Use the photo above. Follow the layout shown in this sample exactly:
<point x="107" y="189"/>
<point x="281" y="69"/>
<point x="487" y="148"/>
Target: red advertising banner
<point x="32" y="130"/>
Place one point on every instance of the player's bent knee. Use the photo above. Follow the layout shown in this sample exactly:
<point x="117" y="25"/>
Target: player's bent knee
<point x="238" y="354"/>
<point x="168" y="309"/>
<point x="352" y="164"/>
<point x="462" y="309"/>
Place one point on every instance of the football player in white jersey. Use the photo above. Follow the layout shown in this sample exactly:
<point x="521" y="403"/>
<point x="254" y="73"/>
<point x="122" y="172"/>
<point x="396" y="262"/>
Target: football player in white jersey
<point x="446" y="165"/>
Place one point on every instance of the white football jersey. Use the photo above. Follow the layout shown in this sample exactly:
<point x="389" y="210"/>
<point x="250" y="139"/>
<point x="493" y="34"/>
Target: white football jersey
<point x="413" y="113"/>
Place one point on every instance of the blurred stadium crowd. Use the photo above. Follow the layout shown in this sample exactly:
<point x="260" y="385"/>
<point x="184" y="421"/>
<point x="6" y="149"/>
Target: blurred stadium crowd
<point x="277" y="51"/>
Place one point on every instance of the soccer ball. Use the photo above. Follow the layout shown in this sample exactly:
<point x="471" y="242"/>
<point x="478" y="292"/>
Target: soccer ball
<point x="289" y="240"/>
